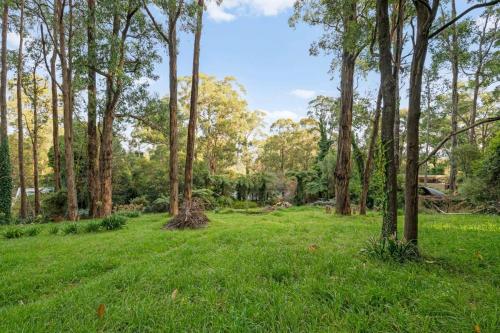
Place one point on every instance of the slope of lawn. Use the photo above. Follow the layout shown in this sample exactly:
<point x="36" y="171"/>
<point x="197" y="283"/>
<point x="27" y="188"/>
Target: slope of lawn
<point x="296" y="270"/>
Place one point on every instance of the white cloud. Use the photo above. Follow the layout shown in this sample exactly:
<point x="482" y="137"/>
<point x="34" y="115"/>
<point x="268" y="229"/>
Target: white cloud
<point x="271" y="116"/>
<point x="304" y="93"/>
<point x="230" y="9"/>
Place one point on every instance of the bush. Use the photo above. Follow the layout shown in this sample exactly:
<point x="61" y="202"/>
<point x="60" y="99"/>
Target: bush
<point x="160" y="205"/>
<point x="206" y="197"/>
<point x="224" y="201"/>
<point x="391" y="249"/>
<point x="31" y="232"/>
<point x="245" y="204"/>
<point x="113" y="222"/>
<point x="132" y="214"/>
<point x="70" y="229"/>
<point x="54" y="205"/>
<point x="142" y="201"/>
<point x="92" y="227"/>
<point x="54" y="230"/>
<point x="13" y="233"/>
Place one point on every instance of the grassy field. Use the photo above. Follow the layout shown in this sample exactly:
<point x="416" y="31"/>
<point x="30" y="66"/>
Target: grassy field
<point x="253" y="273"/>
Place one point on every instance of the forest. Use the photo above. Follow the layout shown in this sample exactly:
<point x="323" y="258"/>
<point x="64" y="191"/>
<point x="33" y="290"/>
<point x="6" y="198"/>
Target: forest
<point x="401" y="152"/>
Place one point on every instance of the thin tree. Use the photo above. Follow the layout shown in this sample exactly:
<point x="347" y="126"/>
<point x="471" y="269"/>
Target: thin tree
<point x="454" y="50"/>
<point x="55" y="104"/>
<point x="193" y="110"/>
<point x="92" y="141"/>
<point x="174" y="10"/>
<point x="23" y="212"/>
<point x="68" y="114"/>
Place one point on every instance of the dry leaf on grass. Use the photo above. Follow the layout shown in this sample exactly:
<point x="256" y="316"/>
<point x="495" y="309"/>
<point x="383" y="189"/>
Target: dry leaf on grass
<point x="174" y="294"/>
<point x="100" y="311"/>
<point x="477" y="329"/>
<point x="313" y="247"/>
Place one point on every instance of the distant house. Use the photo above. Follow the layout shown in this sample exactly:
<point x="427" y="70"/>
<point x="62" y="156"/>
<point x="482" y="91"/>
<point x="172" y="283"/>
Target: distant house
<point x="31" y="191"/>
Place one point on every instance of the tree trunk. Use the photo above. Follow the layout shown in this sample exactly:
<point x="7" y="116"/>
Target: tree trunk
<point x="399" y="13"/>
<point x="174" y="133"/>
<point x="343" y="167"/>
<point x="371" y="153"/>
<point x="193" y="111"/>
<point x="3" y="79"/>
<point x="424" y="23"/>
<point x="472" y="132"/>
<point x="23" y="213"/>
<point x="388" y="84"/>
<point x="36" y="184"/>
<point x="55" y="110"/>
<point x="454" y="100"/>
<point x="68" y="119"/>
<point x="92" y="145"/>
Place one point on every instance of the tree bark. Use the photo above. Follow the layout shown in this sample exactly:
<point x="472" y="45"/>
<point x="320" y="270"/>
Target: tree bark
<point x="55" y="107"/>
<point x="68" y="118"/>
<point x="388" y="84"/>
<point x="343" y="167"/>
<point x="371" y="153"/>
<point x="454" y="100"/>
<point x="174" y="133"/>
<point x="3" y="78"/>
<point x="23" y="213"/>
<point x="193" y="111"/>
<point x="398" y="18"/>
<point x="92" y="143"/>
<point x="425" y="17"/>
<point x="36" y="183"/>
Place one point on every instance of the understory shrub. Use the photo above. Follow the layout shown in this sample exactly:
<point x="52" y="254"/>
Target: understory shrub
<point x="391" y="249"/>
<point x="54" y="230"/>
<point x="160" y="205"/>
<point x="113" y="222"/>
<point x="70" y="229"/>
<point x="224" y="201"/>
<point x="92" y="227"/>
<point x="206" y="197"/>
<point x="132" y="214"/>
<point x="245" y="204"/>
<point x="54" y="205"/>
<point x="31" y="232"/>
<point x="13" y="233"/>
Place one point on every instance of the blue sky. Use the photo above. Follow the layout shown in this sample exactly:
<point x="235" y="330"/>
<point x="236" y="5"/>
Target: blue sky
<point x="256" y="45"/>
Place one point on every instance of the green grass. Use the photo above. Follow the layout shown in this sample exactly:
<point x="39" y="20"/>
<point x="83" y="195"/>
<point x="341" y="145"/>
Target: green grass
<point x="252" y="273"/>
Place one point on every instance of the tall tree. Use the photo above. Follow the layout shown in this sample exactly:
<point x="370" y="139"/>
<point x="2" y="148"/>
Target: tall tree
<point x="68" y="113"/>
<point x="55" y="104"/>
<point x="5" y="167"/>
<point x="193" y="110"/>
<point x="173" y="9"/>
<point x="388" y="85"/>
<point x="23" y="213"/>
<point x="92" y="140"/>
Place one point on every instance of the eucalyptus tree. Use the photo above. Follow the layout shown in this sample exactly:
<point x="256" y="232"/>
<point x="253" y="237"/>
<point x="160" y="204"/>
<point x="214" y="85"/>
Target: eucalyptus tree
<point x="23" y="212"/>
<point x="348" y="26"/>
<point x="173" y="9"/>
<point x="324" y="110"/>
<point x="5" y="167"/>
<point x="126" y="54"/>
<point x="426" y="13"/>
<point x="193" y="110"/>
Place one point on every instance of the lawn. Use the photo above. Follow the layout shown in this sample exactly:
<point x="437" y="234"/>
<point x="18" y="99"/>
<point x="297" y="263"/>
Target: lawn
<point x="297" y="270"/>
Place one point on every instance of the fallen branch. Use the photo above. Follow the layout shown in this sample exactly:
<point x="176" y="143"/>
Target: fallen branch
<point x="448" y="137"/>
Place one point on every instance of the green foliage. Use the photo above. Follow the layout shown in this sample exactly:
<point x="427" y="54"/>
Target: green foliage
<point x="160" y="205"/>
<point x="391" y="249"/>
<point x="467" y="156"/>
<point x="140" y="201"/>
<point x="54" y="205"/>
<point x="130" y="214"/>
<point x="206" y="196"/>
<point x="12" y="233"/>
<point x="31" y="232"/>
<point x="92" y="227"/>
<point x="113" y="222"/>
<point x="70" y="229"/>
<point x="5" y="183"/>
<point x="245" y="204"/>
<point x="54" y="230"/>
<point x="224" y="201"/>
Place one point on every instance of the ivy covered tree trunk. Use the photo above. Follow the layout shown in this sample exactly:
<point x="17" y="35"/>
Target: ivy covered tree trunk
<point x="388" y="84"/>
<point x="5" y="167"/>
